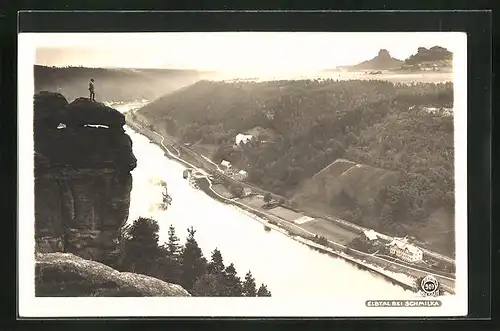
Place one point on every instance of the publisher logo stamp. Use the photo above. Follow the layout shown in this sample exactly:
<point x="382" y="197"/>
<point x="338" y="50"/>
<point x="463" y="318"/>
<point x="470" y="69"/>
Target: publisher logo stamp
<point x="429" y="286"/>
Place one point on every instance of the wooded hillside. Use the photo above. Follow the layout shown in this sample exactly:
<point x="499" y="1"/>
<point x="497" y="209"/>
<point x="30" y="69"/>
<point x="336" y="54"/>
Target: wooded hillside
<point x="377" y="124"/>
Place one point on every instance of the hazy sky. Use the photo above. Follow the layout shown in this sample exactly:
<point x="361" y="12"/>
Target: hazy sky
<point x="243" y="52"/>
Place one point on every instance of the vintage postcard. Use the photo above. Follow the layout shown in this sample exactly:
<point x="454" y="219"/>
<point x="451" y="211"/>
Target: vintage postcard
<point x="242" y="174"/>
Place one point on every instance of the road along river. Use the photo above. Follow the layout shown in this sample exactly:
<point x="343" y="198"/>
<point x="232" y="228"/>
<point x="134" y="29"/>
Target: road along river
<point x="287" y="267"/>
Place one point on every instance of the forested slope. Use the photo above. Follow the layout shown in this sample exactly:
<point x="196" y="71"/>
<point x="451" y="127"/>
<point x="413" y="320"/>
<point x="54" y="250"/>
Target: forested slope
<point x="384" y="127"/>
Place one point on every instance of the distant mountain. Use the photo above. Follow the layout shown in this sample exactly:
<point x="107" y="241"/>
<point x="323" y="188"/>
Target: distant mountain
<point x="382" y="61"/>
<point x="433" y="54"/>
<point x="433" y="59"/>
<point x="112" y="84"/>
<point x="436" y="58"/>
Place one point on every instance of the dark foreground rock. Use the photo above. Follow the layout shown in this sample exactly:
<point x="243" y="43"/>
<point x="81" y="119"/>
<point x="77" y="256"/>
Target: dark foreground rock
<point x="60" y="274"/>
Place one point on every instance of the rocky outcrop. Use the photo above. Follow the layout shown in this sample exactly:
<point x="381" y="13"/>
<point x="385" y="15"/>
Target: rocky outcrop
<point x="382" y="61"/>
<point x="60" y="274"/>
<point x="433" y="54"/>
<point x="83" y="160"/>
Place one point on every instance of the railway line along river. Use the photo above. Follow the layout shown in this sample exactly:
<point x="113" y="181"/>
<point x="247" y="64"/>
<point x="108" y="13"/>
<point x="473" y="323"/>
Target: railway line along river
<point x="287" y="267"/>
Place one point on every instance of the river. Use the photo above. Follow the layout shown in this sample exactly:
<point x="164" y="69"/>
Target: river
<point x="287" y="267"/>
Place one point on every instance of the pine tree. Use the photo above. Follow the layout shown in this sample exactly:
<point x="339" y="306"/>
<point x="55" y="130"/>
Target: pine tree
<point x="173" y="247"/>
<point x="171" y="264"/>
<point x="216" y="265"/>
<point x="263" y="291"/>
<point x="141" y="247"/>
<point x="232" y="283"/>
<point x="249" y="287"/>
<point x="193" y="262"/>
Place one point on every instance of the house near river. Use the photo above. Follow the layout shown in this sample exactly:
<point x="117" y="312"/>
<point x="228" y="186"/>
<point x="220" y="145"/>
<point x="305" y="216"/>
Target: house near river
<point x="226" y="164"/>
<point x="255" y="134"/>
<point x="240" y="175"/>
<point x="400" y="248"/>
<point x="371" y="237"/>
<point x="242" y="138"/>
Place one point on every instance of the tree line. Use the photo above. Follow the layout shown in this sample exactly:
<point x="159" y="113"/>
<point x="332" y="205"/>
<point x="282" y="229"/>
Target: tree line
<point x="139" y="251"/>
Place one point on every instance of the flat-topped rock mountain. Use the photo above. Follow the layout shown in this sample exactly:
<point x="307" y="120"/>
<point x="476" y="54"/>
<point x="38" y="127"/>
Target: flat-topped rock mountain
<point x="433" y="54"/>
<point x="382" y="61"/>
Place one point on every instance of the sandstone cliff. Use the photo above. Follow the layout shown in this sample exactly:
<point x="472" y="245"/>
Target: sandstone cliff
<point x="59" y="274"/>
<point x="83" y="160"/>
<point x="82" y="175"/>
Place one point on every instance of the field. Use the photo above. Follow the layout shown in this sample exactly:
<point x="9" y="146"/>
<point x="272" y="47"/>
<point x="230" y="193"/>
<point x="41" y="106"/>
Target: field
<point x="207" y="150"/>
<point x="336" y="168"/>
<point x="358" y="181"/>
<point x="285" y="213"/>
<point x="219" y="188"/>
<point x="318" y="226"/>
<point x="255" y="201"/>
<point x="330" y="230"/>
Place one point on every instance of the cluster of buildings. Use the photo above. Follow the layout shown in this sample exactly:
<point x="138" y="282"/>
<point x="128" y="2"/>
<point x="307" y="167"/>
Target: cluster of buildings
<point x="232" y="172"/>
<point x="428" y="66"/>
<point x="227" y="168"/>
<point x="398" y="247"/>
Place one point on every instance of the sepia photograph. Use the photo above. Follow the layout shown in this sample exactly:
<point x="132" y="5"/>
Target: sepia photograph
<point x="243" y="174"/>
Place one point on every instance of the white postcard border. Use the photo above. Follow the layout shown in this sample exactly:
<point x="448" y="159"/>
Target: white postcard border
<point x="31" y="306"/>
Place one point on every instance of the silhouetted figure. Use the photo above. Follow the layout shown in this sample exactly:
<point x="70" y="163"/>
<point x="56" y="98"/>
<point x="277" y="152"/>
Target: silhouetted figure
<point x="91" y="90"/>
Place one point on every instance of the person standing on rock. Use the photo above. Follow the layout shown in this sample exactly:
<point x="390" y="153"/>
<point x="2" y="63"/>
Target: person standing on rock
<point x="91" y="90"/>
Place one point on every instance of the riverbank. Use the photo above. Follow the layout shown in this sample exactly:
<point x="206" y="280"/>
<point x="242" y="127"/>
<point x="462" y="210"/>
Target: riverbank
<point x="403" y="280"/>
<point x="391" y="269"/>
<point x="403" y="275"/>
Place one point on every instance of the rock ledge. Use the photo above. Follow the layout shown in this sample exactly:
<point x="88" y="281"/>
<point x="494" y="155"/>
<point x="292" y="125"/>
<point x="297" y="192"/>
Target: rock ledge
<point x="64" y="274"/>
